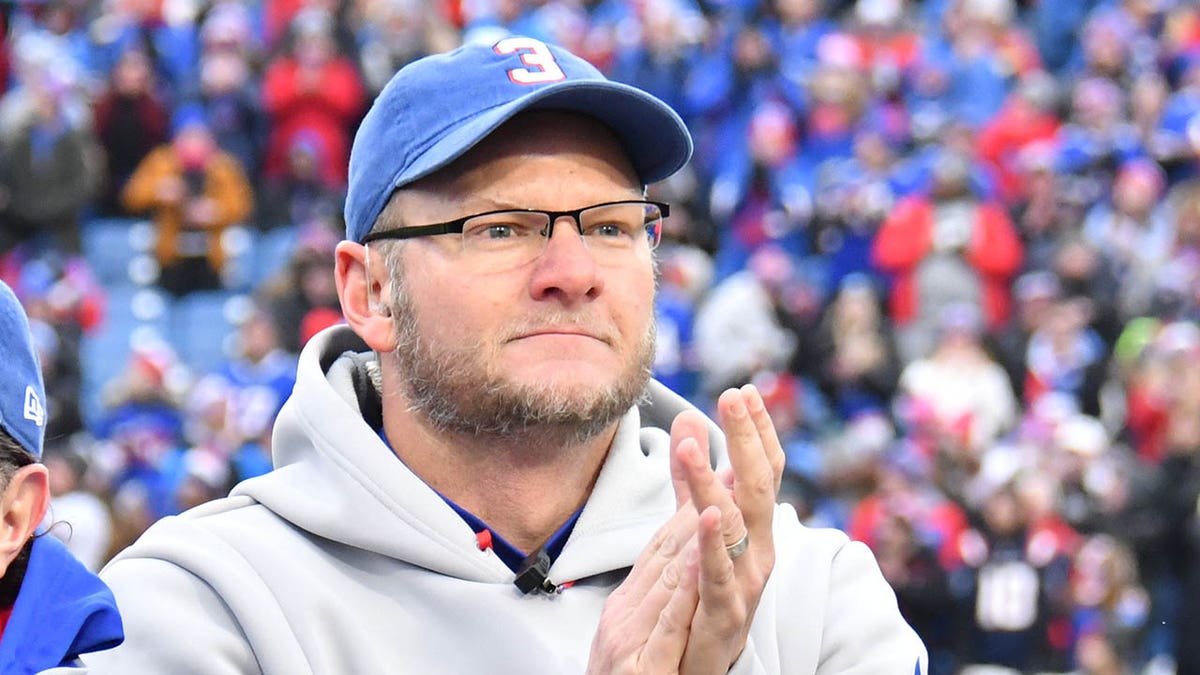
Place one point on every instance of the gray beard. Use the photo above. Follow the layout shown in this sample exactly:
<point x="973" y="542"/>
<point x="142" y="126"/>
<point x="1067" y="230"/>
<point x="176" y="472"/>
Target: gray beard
<point x="452" y="388"/>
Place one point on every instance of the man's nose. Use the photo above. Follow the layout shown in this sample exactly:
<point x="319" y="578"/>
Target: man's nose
<point x="566" y="267"/>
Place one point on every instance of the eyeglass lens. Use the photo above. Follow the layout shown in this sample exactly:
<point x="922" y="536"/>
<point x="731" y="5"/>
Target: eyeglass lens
<point x="611" y="232"/>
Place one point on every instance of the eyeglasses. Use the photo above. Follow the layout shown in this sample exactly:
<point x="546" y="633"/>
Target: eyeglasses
<point x="502" y="240"/>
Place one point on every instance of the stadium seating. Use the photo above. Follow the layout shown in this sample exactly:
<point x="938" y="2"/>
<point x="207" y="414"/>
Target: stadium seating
<point x="112" y="244"/>
<point x="203" y="327"/>
<point x="136" y="314"/>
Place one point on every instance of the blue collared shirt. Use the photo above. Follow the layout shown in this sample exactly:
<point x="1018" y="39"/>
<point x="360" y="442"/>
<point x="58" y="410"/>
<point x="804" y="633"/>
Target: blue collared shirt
<point x="507" y="552"/>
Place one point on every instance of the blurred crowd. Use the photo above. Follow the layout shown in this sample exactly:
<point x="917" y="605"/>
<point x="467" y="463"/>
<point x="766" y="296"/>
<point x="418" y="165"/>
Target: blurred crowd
<point x="956" y="244"/>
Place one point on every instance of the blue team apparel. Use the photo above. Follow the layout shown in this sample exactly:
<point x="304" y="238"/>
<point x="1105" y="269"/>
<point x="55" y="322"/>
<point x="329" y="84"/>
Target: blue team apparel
<point x="505" y="550"/>
<point x="437" y="108"/>
<point x="62" y="611"/>
<point x="22" y="396"/>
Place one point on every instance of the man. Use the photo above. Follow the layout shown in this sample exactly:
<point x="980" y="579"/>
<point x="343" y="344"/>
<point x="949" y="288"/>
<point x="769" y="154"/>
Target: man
<point x="944" y="248"/>
<point x="51" y="608"/>
<point x="46" y="167"/>
<point x="476" y="474"/>
<point x="194" y="191"/>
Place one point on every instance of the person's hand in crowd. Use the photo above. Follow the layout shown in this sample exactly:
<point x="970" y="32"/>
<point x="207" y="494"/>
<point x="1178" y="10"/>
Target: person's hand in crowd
<point x="856" y="357"/>
<point x="688" y="603"/>
<point x="1096" y="654"/>
<point x="201" y="212"/>
<point x="170" y="190"/>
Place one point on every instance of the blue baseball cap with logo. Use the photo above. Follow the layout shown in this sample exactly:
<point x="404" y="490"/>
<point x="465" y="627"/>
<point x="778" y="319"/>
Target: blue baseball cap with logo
<point x="22" y="395"/>
<point x="437" y="108"/>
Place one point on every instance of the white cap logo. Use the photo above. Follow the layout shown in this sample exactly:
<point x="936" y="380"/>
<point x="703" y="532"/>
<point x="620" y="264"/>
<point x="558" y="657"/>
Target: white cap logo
<point x="34" y="410"/>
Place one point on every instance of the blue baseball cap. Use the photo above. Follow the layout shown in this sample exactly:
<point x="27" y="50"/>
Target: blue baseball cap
<point x="22" y="395"/>
<point x="437" y="108"/>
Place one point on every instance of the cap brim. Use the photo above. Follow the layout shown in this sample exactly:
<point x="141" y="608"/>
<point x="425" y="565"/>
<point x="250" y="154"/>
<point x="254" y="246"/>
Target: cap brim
<point x="652" y="134"/>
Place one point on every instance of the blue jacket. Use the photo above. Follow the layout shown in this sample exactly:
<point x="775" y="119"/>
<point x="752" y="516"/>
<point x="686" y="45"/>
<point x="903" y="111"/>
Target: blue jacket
<point x="62" y="611"/>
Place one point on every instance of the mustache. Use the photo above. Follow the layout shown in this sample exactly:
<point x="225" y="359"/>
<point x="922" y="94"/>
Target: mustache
<point x="602" y="330"/>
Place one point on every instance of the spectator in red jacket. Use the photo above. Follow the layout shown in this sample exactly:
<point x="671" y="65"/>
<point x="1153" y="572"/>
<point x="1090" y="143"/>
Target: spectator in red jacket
<point x="131" y="121"/>
<point x="945" y="248"/>
<point x="1026" y="117"/>
<point x="312" y="87"/>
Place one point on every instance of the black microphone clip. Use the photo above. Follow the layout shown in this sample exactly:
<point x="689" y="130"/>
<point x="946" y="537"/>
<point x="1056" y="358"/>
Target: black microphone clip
<point x="531" y="576"/>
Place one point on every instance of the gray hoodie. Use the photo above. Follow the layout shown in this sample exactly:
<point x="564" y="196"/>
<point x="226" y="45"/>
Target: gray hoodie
<point x="342" y="560"/>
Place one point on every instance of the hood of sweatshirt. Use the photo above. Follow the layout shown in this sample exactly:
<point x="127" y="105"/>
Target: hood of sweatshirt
<point x="335" y="478"/>
<point x="62" y="610"/>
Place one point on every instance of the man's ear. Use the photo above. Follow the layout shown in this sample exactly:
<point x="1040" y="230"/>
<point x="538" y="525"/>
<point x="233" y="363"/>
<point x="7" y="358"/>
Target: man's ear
<point x="22" y="507"/>
<point x="362" y="277"/>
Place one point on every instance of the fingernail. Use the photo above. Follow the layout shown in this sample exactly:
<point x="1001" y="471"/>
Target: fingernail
<point x="739" y="407"/>
<point x="756" y="400"/>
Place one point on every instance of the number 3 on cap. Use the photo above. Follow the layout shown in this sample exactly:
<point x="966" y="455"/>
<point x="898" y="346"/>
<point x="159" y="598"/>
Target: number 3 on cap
<point x="535" y="53"/>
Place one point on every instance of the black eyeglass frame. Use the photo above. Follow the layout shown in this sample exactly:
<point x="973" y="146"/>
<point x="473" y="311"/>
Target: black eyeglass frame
<point x="456" y="226"/>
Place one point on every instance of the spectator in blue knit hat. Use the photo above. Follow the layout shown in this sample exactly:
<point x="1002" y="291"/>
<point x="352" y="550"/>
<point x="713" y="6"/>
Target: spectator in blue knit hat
<point x="230" y="101"/>
<point x="51" y="608"/>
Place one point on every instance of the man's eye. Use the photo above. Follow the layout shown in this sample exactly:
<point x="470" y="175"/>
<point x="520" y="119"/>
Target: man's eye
<point x="495" y="229"/>
<point x="608" y="231"/>
<point x="499" y="231"/>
